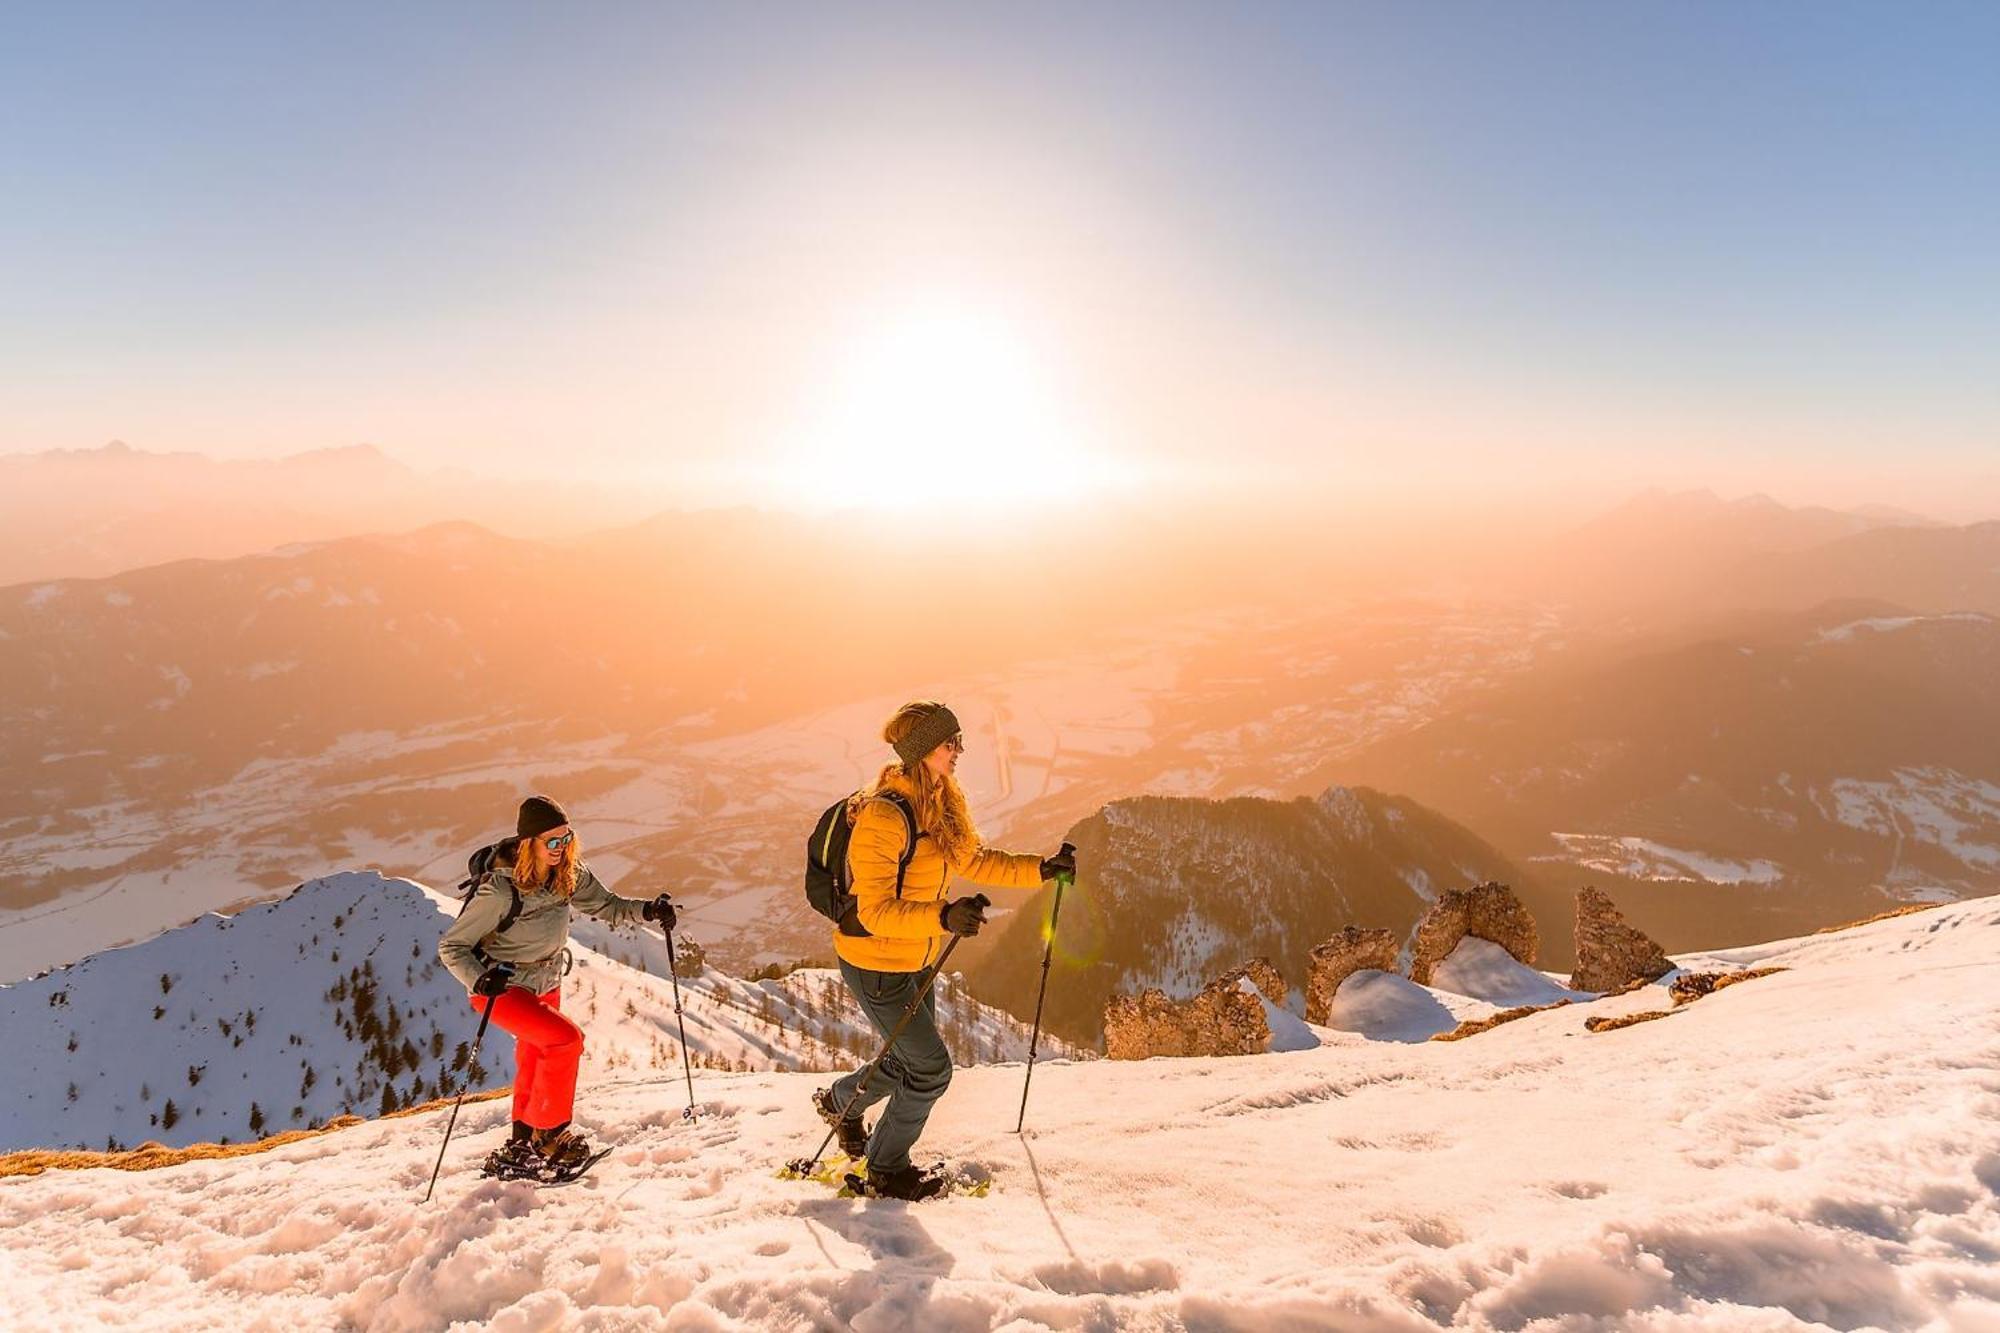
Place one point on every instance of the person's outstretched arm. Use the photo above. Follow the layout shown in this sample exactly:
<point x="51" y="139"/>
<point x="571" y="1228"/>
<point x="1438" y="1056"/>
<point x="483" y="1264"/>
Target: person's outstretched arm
<point x="591" y="896"/>
<point x="1006" y="870"/>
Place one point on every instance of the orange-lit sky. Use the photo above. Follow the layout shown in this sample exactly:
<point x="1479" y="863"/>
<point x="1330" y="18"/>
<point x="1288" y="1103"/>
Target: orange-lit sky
<point x="1326" y="248"/>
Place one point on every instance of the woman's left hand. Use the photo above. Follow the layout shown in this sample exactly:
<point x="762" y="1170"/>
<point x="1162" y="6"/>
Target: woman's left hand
<point x="661" y="909"/>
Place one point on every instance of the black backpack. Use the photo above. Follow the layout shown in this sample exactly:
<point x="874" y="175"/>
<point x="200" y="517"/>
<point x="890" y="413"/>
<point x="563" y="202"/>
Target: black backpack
<point x="480" y="867"/>
<point x="826" y="862"/>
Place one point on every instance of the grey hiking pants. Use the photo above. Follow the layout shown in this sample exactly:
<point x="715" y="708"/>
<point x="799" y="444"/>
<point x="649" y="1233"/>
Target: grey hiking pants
<point x="912" y="1075"/>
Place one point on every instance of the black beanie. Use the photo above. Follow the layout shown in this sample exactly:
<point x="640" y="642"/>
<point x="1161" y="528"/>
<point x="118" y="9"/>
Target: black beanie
<point x="538" y="815"/>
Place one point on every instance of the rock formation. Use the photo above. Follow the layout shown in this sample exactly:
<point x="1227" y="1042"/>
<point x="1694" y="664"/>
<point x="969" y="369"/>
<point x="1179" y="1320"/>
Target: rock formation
<point x="1353" y="950"/>
<point x="1226" y="1018"/>
<point x="1610" y="955"/>
<point x="1261" y="973"/>
<point x="1488" y="911"/>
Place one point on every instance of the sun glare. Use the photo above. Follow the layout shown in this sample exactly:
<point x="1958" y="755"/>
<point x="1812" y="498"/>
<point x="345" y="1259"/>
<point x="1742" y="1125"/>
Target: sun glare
<point x="938" y="403"/>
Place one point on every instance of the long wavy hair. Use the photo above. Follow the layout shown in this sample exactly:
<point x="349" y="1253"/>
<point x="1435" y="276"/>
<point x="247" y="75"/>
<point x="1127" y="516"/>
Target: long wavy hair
<point x="939" y="801"/>
<point x="529" y="875"/>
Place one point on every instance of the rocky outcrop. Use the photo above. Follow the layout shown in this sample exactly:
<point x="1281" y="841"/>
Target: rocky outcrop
<point x="1353" y="950"/>
<point x="1226" y="1018"/>
<point x="1261" y="973"/>
<point x="1487" y="911"/>
<point x="1611" y="955"/>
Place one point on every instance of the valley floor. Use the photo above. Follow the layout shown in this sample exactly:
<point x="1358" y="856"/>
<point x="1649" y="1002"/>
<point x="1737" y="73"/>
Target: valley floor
<point x="1817" y="1148"/>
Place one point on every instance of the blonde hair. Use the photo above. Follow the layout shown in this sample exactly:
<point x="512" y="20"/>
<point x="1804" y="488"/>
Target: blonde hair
<point x="529" y="875"/>
<point x="940" y="802"/>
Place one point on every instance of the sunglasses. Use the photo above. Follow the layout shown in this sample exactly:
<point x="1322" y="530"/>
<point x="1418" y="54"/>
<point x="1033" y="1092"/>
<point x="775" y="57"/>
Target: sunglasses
<point x="956" y="743"/>
<point x="557" y="844"/>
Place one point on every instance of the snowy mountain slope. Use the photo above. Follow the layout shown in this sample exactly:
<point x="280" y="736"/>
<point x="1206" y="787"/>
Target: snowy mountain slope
<point x="331" y="1001"/>
<point x="1815" y="1149"/>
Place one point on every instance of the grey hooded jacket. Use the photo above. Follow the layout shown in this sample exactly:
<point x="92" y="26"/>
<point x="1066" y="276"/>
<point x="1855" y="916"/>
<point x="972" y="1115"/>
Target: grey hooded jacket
<point x="534" y="943"/>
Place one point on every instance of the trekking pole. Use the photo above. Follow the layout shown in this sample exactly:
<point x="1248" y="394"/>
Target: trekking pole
<point x="805" y="1166"/>
<point x="478" y="1037"/>
<point x="674" y="973"/>
<point x="1048" y="950"/>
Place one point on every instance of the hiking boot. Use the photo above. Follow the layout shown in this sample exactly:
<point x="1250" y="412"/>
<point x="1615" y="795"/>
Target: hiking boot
<point x="908" y="1182"/>
<point x="513" y="1160"/>
<point x="562" y="1150"/>
<point x="851" y="1133"/>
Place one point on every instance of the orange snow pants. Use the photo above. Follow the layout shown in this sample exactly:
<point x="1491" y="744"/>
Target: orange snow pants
<point x="547" y="1048"/>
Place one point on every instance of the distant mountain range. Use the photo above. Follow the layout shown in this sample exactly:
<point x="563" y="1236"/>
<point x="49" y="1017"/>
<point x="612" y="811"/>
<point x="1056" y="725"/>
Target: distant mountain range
<point x="88" y="513"/>
<point x="1673" y="555"/>
<point x="1778" y="773"/>
<point x="331" y="1001"/>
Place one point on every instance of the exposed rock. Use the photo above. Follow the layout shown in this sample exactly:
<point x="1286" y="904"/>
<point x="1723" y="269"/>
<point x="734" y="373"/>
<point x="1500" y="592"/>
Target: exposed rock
<point x="1261" y="973"/>
<point x="1609" y="1023"/>
<point x="1472" y="1027"/>
<point x="1488" y="911"/>
<point x="1226" y="1018"/>
<point x="1353" y="950"/>
<point x="689" y="958"/>
<point x="1611" y="955"/>
<point x="1691" y="986"/>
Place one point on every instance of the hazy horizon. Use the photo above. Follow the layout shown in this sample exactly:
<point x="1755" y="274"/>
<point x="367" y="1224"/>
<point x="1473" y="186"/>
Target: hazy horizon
<point x="1323" y="251"/>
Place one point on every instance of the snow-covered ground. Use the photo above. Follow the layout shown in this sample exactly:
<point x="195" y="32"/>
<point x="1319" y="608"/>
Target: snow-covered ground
<point x="1819" y="1148"/>
<point x="1642" y="858"/>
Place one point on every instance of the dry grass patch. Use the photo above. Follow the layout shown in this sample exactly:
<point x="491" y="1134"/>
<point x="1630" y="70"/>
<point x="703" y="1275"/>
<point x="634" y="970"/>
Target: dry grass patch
<point x="1890" y="915"/>
<point x="1472" y="1027"/>
<point x="149" y="1156"/>
<point x="1607" y="1023"/>
<point x="1691" y="986"/>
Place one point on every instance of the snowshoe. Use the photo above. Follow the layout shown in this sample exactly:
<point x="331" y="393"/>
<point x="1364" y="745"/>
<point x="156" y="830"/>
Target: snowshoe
<point x="851" y="1133"/>
<point x="574" y="1173"/>
<point x="830" y="1171"/>
<point x="513" y="1160"/>
<point x="563" y="1151"/>
<point x="912" y="1183"/>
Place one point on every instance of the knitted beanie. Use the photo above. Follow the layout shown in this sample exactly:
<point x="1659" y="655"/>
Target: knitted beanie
<point x="538" y="815"/>
<point x="933" y="729"/>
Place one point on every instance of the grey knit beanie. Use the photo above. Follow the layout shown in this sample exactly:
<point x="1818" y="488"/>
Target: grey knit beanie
<point x="933" y="729"/>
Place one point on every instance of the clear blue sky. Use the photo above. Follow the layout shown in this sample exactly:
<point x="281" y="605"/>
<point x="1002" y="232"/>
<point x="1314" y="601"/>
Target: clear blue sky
<point x="1660" y="238"/>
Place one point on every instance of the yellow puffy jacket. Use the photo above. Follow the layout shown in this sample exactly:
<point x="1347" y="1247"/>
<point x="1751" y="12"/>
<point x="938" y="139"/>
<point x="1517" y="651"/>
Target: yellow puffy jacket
<point x="906" y="933"/>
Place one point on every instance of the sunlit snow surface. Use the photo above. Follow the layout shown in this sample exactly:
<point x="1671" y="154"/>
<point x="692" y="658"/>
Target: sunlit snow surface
<point x="1819" y="1148"/>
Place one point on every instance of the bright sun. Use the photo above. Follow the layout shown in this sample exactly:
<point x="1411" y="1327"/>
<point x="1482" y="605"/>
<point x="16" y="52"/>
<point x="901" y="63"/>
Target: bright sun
<point x="938" y="403"/>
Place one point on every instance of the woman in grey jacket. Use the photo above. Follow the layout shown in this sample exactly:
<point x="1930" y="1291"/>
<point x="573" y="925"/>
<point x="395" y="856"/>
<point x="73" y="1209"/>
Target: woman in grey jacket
<point x="516" y="966"/>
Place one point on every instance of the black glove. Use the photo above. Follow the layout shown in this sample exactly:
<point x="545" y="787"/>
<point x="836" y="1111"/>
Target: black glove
<point x="964" y="916"/>
<point x="1063" y="863"/>
<point x="662" y="911"/>
<point x="494" y="980"/>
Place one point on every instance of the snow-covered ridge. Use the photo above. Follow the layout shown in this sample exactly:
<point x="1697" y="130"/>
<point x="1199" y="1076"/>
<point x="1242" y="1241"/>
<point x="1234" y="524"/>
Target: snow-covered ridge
<point x="1890" y="624"/>
<point x="331" y="1001"/>
<point x="1812" y="1150"/>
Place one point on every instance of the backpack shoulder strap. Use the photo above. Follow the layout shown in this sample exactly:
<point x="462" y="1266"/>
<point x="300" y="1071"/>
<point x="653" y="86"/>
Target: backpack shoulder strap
<point x="513" y="912"/>
<point x="910" y="839"/>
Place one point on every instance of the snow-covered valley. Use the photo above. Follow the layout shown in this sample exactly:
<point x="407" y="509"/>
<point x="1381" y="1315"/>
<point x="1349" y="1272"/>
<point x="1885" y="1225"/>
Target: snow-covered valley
<point x="1210" y="705"/>
<point x="1815" y="1149"/>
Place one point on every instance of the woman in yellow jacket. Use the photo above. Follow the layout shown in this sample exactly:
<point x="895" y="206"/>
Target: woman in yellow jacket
<point x="907" y="929"/>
